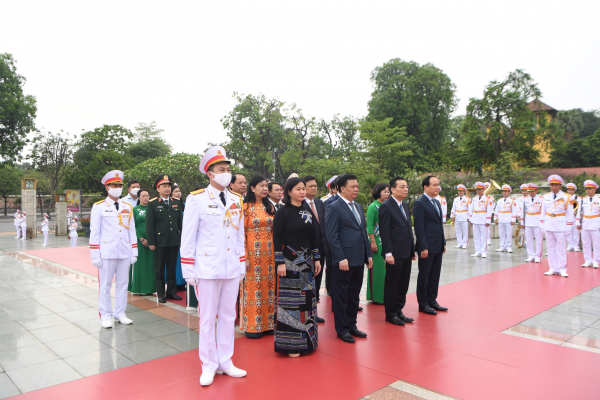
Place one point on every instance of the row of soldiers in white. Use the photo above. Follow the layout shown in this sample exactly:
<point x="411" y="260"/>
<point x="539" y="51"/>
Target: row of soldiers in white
<point x="20" y="224"/>
<point x="21" y="227"/>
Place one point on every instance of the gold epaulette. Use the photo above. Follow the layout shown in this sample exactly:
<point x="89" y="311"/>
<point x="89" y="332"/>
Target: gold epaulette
<point x="98" y="202"/>
<point x="323" y="198"/>
<point x="152" y="199"/>
<point x="195" y="192"/>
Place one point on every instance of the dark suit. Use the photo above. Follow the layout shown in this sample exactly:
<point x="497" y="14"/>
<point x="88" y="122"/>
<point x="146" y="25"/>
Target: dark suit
<point x="320" y="238"/>
<point x="348" y="240"/>
<point x="397" y="238"/>
<point x="163" y="230"/>
<point x="429" y="229"/>
<point x="328" y="274"/>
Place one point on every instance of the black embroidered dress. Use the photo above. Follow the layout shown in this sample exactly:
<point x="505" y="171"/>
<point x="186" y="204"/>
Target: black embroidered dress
<point x="294" y="244"/>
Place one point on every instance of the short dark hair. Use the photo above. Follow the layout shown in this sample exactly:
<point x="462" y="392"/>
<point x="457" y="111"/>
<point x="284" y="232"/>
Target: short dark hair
<point x="376" y="192"/>
<point x="140" y="193"/>
<point x="426" y="180"/>
<point x="394" y="180"/>
<point x="234" y="177"/>
<point x="131" y="182"/>
<point x="273" y="183"/>
<point x="289" y="185"/>
<point x="343" y="180"/>
<point x="309" y="178"/>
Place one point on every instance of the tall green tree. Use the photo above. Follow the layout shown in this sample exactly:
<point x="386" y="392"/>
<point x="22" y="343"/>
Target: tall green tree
<point x="578" y="153"/>
<point x="10" y="182"/>
<point x="591" y="122"/>
<point x="388" y="148"/>
<point x="502" y="122"/>
<point x="148" y="143"/>
<point x="99" y="151"/>
<point x="52" y="154"/>
<point x="17" y="110"/>
<point x="420" y="98"/>
<point x="571" y="121"/>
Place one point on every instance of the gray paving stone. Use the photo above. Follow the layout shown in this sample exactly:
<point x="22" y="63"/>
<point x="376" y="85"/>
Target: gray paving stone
<point x="567" y="328"/>
<point x="160" y="328"/>
<point x="118" y="337"/>
<point x="17" y="340"/>
<point x="11" y="296"/>
<point x="147" y="350"/>
<point x="7" y="387"/>
<point x="80" y="315"/>
<point x="54" y="333"/>
<point x="43" y="321"/>
<point x="13" y="305"/>
<point x="182" y="341"/>
<point x="28" y="312"/>
<point x="10" y="327"/>
<point x="40" y="293"/>
<point x="590" y="333"/>
<point x="5" y="317"/>
<point x="76" y="346"/>
<point x="66" y="306"/>
<point x="42" y="375"/>
<point x="98" y="362"/>
<point x="26" y="356"/>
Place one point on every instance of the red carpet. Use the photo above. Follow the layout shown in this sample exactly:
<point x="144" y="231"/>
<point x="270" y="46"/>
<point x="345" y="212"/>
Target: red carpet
<point x="77" y="258"/>
<point x="461" y="353"/>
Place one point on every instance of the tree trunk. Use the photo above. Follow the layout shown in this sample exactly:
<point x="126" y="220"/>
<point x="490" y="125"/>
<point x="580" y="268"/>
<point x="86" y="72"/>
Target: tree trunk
<point x="5" y="201"/>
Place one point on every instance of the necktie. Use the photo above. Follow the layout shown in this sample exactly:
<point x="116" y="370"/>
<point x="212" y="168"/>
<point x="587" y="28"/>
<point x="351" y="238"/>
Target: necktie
<point x="117" y="205"/>
<point x="314" y="210"/>
<point x="355" y="212"/>
<point x="437" y="206"/>
<point x="402" y="209"/>
<point x="554" y="196"/>
<point x="222" y="196"/>
<point x="167" y="202"/>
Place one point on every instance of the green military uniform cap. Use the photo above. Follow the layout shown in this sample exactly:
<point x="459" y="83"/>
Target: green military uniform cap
<point x="162" y="178"/>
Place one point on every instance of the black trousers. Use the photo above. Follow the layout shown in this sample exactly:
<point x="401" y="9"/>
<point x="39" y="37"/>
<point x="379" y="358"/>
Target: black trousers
<point x="168" y="256"/>
<point x="397" y="278"/>
<point x="346" y="297"/>
<point x="318" y="280"/>
<point x="328" y="276"/>
<point x="428" y="280"/>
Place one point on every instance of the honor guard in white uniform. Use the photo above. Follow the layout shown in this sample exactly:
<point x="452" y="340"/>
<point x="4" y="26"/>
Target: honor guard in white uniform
<point x="23" y="225"/>
<point x="113" y="248"/>
<point x="213" y="260"/>
<point x="17" y="223"/>
<point x="532" y="215"/>
<point x="504" y="215"/>
<point x="45" y="229"/>
<point x="459" y="215"/>
<point x="73" y="231"/>
<point x="521" y="201"/>
<point x="330" y="188"/>
<point x="588" y="222"/>
<point x="489" y="228"/>
<point x="557" y="211"/>
<point x="69" y="217"/>
<point x="444" y="205"/>
<point x="573" y="233"/>
<point x="481" y="208"/>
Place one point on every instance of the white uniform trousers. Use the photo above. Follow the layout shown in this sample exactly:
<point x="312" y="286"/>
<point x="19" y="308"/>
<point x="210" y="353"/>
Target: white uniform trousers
<point x="480" y="238"/>
<point x="489" y="234"/>
<point x="573" y="237"/>
<point x="18" y="230"/>
<point x="45" y="237"/>
<point x="119" y="269"/>
<point x="531" y="233"/>
<point x="216" y="296"/>
<point x="557" y="252"/>
<point x="462" y="232"/>
<point x="505" y="232"/>
<point x="23" y="232"/>
<point x="74" y="241"/>
<point x="589" y="240"/>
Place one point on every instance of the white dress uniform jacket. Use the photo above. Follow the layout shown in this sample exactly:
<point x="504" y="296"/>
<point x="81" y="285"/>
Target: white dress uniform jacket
<point x="17" y="221"/>
<point x="533" y="211"/>
<point x="557" y="211"/>
<point x="45" y="225"/>
<point x="481" y="209"/>
<point x="506" y="210"/>
<point x="109" y="237"/>
<point x="588" y="213"/>
<point x="444" y="205"/>
<point x="212" y="241"/>
<point x="460" y="209"/>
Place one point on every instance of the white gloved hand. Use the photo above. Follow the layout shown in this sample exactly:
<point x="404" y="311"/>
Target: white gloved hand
<point x="192" y="281"/>
<point x="97" y="262"/>
<point x="133" y="260"/>
<point x="242" y="276"/>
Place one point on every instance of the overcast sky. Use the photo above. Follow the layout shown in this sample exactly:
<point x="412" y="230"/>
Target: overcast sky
<point x="179" y="62"/>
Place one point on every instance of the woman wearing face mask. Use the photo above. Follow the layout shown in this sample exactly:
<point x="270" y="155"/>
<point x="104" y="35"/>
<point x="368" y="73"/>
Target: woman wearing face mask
<point x="176" y="194"/>
<point x="257" y="303"/>
<point x="141" y="274"/>
<point x="376" y="275"/>
<point x="297" y="259"/>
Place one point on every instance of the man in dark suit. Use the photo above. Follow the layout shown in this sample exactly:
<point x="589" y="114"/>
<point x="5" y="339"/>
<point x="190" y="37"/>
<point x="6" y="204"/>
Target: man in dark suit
<point x="398" y="248"/>
<point x="318" y="209"/>
<point x="346" y="229"/>
<point x="163" y="230"/>
<point x="431" y="245"/>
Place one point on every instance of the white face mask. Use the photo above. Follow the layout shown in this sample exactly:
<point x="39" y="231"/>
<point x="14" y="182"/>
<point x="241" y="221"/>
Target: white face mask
<point x="223" y="179"/>
<point x="115" y="192"/>
<point x="135" y="191"/>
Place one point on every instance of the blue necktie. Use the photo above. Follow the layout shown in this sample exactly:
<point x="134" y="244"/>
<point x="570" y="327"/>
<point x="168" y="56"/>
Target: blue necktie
<point x="355" y="212"/>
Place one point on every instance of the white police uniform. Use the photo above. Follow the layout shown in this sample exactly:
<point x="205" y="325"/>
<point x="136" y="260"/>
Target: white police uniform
<point x="557" y="211"/>
<point x="45" y="229"/>
<point x="505" y="213"/>
<point x="588" y="218"/>
<point x="69" y="217"/>
<point x="23" y="225"/>
<point x="113" y="247"/>
<point x="17" y="223"/>
<point x="573" y="232"/>
<point x="459" y="211"/>
<point x="73" y="233"/>
<point x="444" y="205"/>
<point x="480" y="213"/>
<point x="532" y="215"/>
<point x="213" y="252"/>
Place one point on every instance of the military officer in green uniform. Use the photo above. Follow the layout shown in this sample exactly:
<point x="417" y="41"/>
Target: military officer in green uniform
<point x="163" y="229"/>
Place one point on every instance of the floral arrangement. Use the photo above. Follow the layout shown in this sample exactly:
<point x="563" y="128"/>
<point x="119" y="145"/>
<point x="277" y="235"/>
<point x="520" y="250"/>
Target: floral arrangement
<point x="85" y="221"/>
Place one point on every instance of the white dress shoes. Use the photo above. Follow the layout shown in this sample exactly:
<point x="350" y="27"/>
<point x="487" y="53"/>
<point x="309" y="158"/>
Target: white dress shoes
<point x="550" y="272"/>
<point x="234" y="372"/>
<point x="107" y="323"/>
<point x="586" y="264"/>
<point x="483" y="255"/>
<point x="509" y="250"/>
<point x="476" y="254"/>
<point x="529" y="259"/>
<point x="465" y="246"/>
<point x="564" y="274"/>
<point x="124" y="320"/>
<point x="207" y="378"/>
<point x="500" y="249"/>
<point x="458" y="246"/>
<point x="576" y="249"/>
<point x="596" y="265"/>
<point x="537" y="259"/>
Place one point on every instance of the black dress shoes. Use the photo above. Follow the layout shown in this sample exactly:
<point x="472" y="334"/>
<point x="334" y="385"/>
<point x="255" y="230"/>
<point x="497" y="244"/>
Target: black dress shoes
<point x="394" y="320"/>
<point x="437" y="307"/>
<point x="319" y="320"/>
<point x="427" y="310"/>
<point x="162" y="300"/>
<point x="360" y="308"/>
<point x="358" y="334"/>
<point x="346" y="337"/>
<point x="405" y="318"/>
